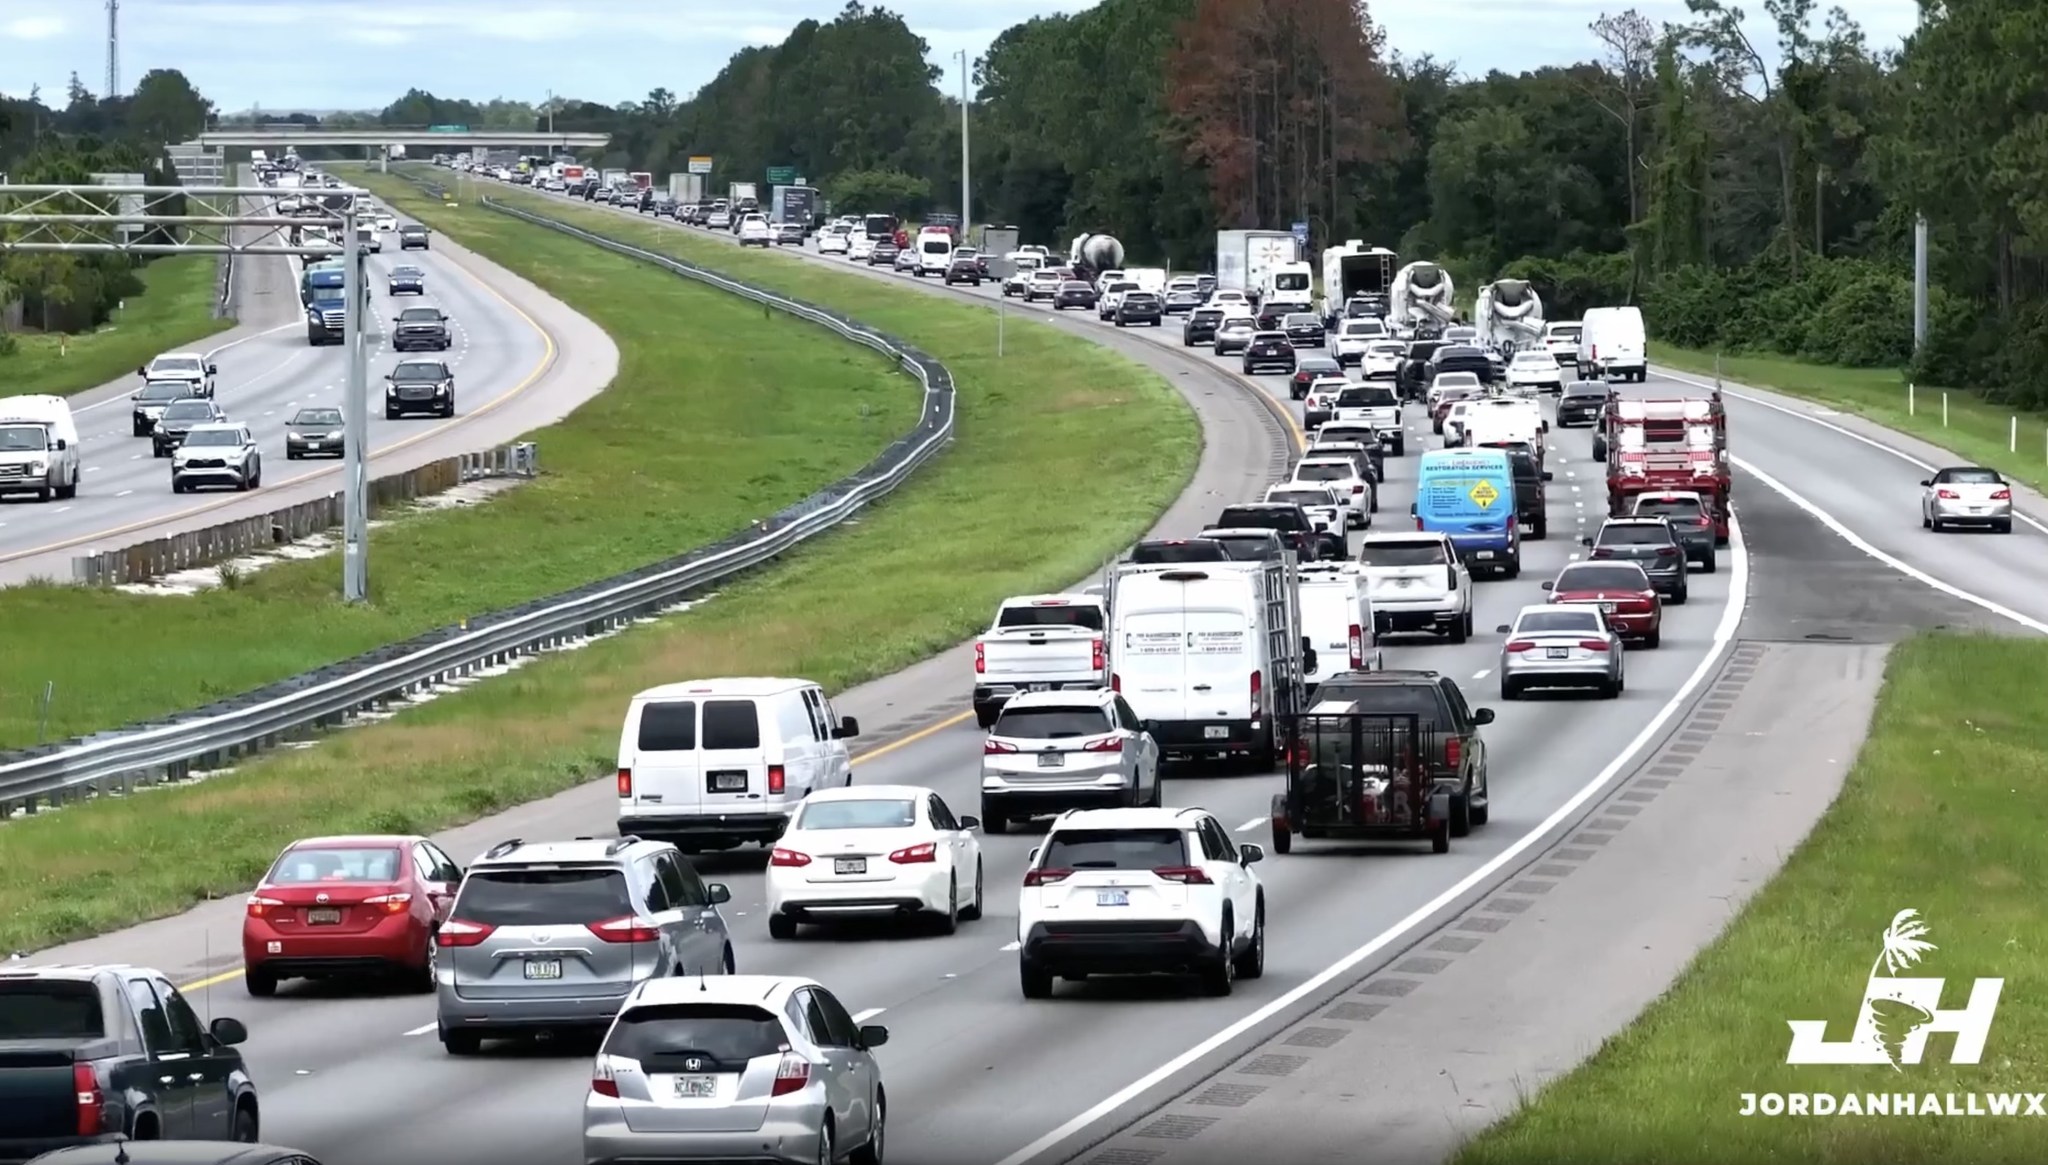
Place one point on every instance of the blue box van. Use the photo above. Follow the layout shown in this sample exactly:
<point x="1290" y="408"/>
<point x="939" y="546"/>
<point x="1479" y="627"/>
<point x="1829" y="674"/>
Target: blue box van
<point x="1469" y="494"/>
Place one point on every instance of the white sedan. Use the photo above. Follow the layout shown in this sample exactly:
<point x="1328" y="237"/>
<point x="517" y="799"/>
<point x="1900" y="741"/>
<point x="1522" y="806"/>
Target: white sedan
<point x="755" y="232"/>
<point x="860" y="248"/>
<point x="386" y="224"/>
<point x="833" y="243"/>
<point x="1534" y="372"/>
<point x="874" y="851"/>
<point x="1382" y="360"/>
<point x="1340" y="476"/>
<point x="1355" y="338"/>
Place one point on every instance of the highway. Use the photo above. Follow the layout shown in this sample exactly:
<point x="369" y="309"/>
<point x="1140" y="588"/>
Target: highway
<point x="975" y="1073"/>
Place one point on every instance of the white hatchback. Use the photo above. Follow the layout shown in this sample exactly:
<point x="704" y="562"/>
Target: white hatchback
<point x="831" y="242"/>
<point x="874" y="850"/>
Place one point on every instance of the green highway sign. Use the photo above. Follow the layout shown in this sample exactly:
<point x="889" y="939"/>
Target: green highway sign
<point x="781" y="175"/>
<point x="447" y="129"/>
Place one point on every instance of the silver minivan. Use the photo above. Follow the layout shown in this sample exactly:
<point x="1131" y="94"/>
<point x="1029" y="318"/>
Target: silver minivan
<point x="546" y="936"/>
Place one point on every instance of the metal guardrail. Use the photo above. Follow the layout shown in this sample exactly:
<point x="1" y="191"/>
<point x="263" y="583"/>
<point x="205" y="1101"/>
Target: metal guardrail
<point x="208" y="737"/>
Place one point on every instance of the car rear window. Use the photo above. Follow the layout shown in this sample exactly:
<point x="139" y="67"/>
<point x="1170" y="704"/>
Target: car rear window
<point x="1402" y="554"/>
<point x="544" y="897"/>
<point x="300" y="867"/>
<point x="50" y="1009"/>
<point x="1375" y="396"/>
<point x="1114" y="849"/>
<point x="1051" y="723"/>
<point x="1668" y="508"/>
<point x="1192" y="550"/>
<point x="1635" y="535"/>
<point x="1244" y="547"/>
<point x="670" y="726"/>
<point x="1587" y="388"/>
<point x="731" y="724"/>
<point x="880" y="813"/>
<point x="1359" y="433"/>
<point x="1062" y="615"/>
<point x="1542" y="622"/>
<point x="1324" y="471"/>
<point x="1607" y="577"/>
<point x="1302" y="497"/>
<point x="1972" y="477"/>
<point x="1262" y="517"/>
<point x="1388" y="699"/>
<point x="662" y="1037"/>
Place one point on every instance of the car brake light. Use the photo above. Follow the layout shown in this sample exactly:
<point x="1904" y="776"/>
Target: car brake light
<point x="910" y="855"/>
<point x="1454" y="751"/>
<point x="457" y="933"/>
<point x="1185" y="875"/>
<point x="1116" y="682"/>
<point x="775" y="778"/>
<point x="1593" y="644"/>
<point x="2003" y="495"/>
<point x="1520" y="645"/>
<point x="625" y="782"/>
<point x="1418" y="521"/>
<point x="91" y="1101"/>
<point x="1098" y="655"/>
<point x="1947" y="494"/>
<point x="1046" y="877"/>
<point x="792" y="1075"/>
<point x="1258" y="694"/>
<point x="397" y="903"/>
<point x="993" y="747"/>
<point x="980" y="658"/>
<point x="627" y="928"/>
<point x="1359" y="488"/>
<point x="788" y="857"/>
<point x="1357" y="645"/>
<point x="259" y="905"/>
<point x="1666" y="551"/>
<point x="601" y="1080"/>
<point x="1602" y="552"/>
<point x="1106" y="744"/>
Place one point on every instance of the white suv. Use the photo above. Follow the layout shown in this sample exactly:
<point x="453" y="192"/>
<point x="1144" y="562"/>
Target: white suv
<point x="1417" y="583"/>
<point x="1140" y="891"/>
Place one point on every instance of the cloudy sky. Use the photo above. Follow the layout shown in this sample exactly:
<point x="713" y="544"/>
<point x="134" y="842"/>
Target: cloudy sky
<point x="316" y="54"/>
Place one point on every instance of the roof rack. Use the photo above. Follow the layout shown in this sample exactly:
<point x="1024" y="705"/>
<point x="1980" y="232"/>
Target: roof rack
<point x="625" y="842"/>
<point x="504" y="847"/>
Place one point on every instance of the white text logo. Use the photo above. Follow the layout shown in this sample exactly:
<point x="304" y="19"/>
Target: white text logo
<point x="1898" y="1014"/>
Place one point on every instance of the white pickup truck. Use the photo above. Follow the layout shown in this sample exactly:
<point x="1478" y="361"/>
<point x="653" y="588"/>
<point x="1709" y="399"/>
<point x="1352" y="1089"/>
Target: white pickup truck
<point x="1039" y="643"/>
<point x="1375" y="405"/>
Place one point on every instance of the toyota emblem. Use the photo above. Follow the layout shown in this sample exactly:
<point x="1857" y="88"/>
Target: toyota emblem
<point x="543" y="938"/>
<point x="693" y="1064"/>
<point x="319" y="897"/>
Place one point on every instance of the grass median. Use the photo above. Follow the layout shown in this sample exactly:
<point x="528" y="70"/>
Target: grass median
<point x="1065" y="453"/>
<point x="1965" y="424"/>
<point x="1940" y="814"/>
<point x="175" y="310"/>
<point x="719" y="415"/>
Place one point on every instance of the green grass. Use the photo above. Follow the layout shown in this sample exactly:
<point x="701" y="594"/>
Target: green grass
<point x="1942" y="814"/>
<point x="1065" y="453"/>
<point x="1976" y="430"/>
<point x="175" y="310"/>
<point x="719" y="415"/>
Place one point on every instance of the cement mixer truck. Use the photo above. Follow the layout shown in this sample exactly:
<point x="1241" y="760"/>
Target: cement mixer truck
<point x="1422" y="296"/>
<point x="1509" y="315"/>
<point x="1091" y="255"/>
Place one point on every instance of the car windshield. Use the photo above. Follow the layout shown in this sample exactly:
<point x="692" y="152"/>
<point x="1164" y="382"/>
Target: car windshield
<point x="1971" y="477"/>
<point x="1635" y="534"/>
<point x="1556" y="622"/>
<point x="407" y="272"/>
<point x="1430" y="553"/>
<point x="20" y="438"/>
<point x="214" y="437"/>
<point x="305" y="867"/>
<point x="420" y="315"/>
<point x="317" y="417"/>
<point x="1052" y="614"/>
<point x="572" y="896"/>
<point x="50" y="1009"/>
<point x="1324" y="471"/>
<point x="418" y="370"/>
<point x="1301" y="497"/>
<point x="1051" y="723"/>
<point x="881" y="813"/>
<point x="164" y="390"/>
<point x="1189" y="550"/>
<point x="412" y="230"/>
<point x="1614" y="576"/>
<point x="1118" y="849"/>
<point x="188" y="410"/>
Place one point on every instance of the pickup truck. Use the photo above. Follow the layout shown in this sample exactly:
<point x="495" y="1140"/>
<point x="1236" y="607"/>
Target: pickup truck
<point x="1375" y="405"/>
<point x="92" y="1055"/>
<point x="1039" y="643"/>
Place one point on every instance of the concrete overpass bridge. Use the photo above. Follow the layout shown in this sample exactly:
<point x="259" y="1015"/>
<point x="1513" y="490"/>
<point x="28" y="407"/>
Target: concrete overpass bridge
<point x="437" y="138"/>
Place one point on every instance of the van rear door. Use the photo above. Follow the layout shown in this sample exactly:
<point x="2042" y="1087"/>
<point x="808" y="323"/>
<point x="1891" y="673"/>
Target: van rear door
<point x="1152" y="664"/>
<point x="1330" y="612"/>
<point x="661" y="754"/>
<point x="737" y="777"/>
<point x="1222" y="659"/>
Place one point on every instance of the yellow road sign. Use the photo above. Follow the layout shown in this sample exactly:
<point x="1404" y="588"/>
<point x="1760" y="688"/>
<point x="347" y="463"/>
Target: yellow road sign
<point x="1483" y="494"/>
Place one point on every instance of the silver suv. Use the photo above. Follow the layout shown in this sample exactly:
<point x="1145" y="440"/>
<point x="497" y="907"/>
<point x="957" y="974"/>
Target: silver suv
<point x="549" y="935"/>
<point x="738" y="1068"/>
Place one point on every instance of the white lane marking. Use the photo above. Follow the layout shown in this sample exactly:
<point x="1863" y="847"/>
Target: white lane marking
<point x="207" y="355"/>
<point x="1912" y="572"/>
<point x="1010" y="946"/>
<point x="1575" y="489"/>
<point x="423" y="1029"/>
<point x="135" y="457"/>
<point x="1254" y="823"/>
<point x="1482" y="673"/>
<point x="1880" y="446"/>
<point x="870" y="1013"/>
<point x="124" y="493"/>
<point x="1724" y="635"/>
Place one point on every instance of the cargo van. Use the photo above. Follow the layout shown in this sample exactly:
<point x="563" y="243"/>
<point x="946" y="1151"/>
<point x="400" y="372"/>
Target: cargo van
<point x="710" y="764"/>
<point x="1337" y="620"/>
<point x="1469" y="494"/>
<point x="1611" y="344"/>
<point x="38" y="447"/>
<point x="934" y="252"/>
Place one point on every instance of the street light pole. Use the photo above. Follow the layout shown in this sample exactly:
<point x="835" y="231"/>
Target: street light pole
<point x="966" y="153"/>
<point x="355" y="420"/>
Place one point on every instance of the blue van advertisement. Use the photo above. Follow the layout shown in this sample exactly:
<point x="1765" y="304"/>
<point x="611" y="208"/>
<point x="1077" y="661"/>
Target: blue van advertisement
<point x="1469" y="494"/>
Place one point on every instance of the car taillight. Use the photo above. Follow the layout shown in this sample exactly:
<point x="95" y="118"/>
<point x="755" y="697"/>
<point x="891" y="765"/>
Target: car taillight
<point x="625" y="782"/>
<point x="627" y="928"/>
<point x="1359" y="488"/>
<point x="2002" y="495"/>
<point x="1418" y="521"/>
<point x="457" y="933"/>
<point x="1706" y="520"/>
<point x="1593" y="644"/>
<point x="91" y="1101"/>
<point x="1357" y="645"/>
<point x="601" y="1080"/>
<point x="1947" y="495"/>
<point x="1666" y="551"/>
<point x="1454" y="751"/>
<point x="776" y="778"/>
<point x="1116" y="682"/>
<point x="1520" y="645"/>
<point x="1106" y="744"/>
<point x="993" y="747"/>
<point x="980" y="658"/>
<point x="397" y="903"/>
<point x="1046" y="877"/>
<point x="912" y="854"/>
<point x="792" y="1075"/>
<point x="1185" y="875"/>
<point x="788" y="857"/>
<point x="1098" y="655"/>
<point x="1258" y="693"/>
<point x="260" y="906"/>
<point x="1601" y="552"/>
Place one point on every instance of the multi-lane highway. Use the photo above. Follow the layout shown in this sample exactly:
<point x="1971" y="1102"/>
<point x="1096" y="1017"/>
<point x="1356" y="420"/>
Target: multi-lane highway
<point x="975" y="1073"/>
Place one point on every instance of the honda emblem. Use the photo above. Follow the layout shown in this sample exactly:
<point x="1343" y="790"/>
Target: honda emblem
<point x="319" y="897"/>
<point x="694" y="1064"/>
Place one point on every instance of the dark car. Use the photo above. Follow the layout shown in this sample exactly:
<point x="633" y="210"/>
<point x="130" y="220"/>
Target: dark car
<point x="1074" y="293"/>
<point x="1268" y="352"/>
<point x="1274" y="312"/>
<point x="1580" y="403"/>
<point x="1412" y="379"/>
<point x="1169" y="551"/>
<point x="1306" y="371"/>
<point x="412" y="237"/>
<point x="152" y="399"/>
<point x="313" y="432"/>
<point x="963" y="269"/>
<point x="1456" y="752"/>
<point x="1249" y="543"/>
<point x="1206" y="284"/>
<point x="1303" y="329"/>
<point x="1140" y="307"/>
<point x="178" y="420"/>
<point x="1531" y="500"/>
<point x="1291" y="522"/>
<point x="407" y="280"/>
<point x="1650" y="543"/>
<point x="1623" y="593"/>
<point x="1182" y="300"/>
<point x="421" y="329"/>
<point x="789" y="234"/>
<point x="658" y="207"/>
<point x="1463" y="358"/>
<point x="1200" y="326"/>
<point x="1691" y="517"/>
<point x="176" y="1153"/>
<point x="1360" y="307"/>
<point x="884" y="253"/>
<point x="419" y="386"/>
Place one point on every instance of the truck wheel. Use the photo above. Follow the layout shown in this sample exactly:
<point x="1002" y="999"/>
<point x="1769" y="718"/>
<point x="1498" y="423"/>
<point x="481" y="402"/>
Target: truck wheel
<point x="1540" y="529"/>
<point x="1461" y="815"/>
<point x="1440" y="838"/>
<point x="992" y="820"/>
<point x="1711" y="564"/>
<point x="1461" y="629"/>
<point x="1400" y="447"/>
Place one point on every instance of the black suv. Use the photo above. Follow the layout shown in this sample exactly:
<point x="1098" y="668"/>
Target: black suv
<point x="1269" y="351"/>
<point x="421" y="329"/>
<point x="177" y="421"/>
<point x="1580" y="401"/>
<point x="1411" y="380"/>
<point x="419" y="386"/>
<point x="963" y="269"/>
<point x="1462" y="358"/>
<point x="1200" y="326"/>
<point x="1531" y="502"/>
<point x="1650" y="543"/>
<point x="412" y="237"/>
<point x="1248" y="543"/>
<point x="1303" y="329"/>
<point x="1073" y="293"/>
<point x="1274" y="312"/>
<point x="1140" y="307"/>
<point x="1289" y="520"/>
<point x="1172" y="551"/>
<point x="1459" y="763"/>
<point x="1691" y="517"/>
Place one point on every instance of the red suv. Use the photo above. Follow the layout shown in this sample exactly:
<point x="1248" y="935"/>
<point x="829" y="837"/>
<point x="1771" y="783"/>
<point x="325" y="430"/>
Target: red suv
<point x="348" y="907"/>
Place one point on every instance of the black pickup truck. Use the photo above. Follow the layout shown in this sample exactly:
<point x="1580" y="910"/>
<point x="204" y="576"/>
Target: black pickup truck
<point x="90" y="1055"/>
<point x="421" y="329"/>
<point x="1459" y="764"/>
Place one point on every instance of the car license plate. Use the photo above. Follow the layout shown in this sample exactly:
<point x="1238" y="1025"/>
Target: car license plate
<point x="1112" y="897"/>
<point x="1404" y="583"/>
<point x="1217" y="732"/>
<point x="1558" y="653"/>
<point x="728" y="782"/>
<point x="323" y="916"/>
<point x="1052" y="760"/>
<point x="1482" y="554"/>
<point x="849" y="865"/>
<point x="696" y="1087"/>
<point x="1607" y="608"/>
<point x="543" y="968"/>
<point x="1039" y="687"/>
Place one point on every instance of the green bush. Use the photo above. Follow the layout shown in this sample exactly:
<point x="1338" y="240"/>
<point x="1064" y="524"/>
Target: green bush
<point x="1575" y="282"/>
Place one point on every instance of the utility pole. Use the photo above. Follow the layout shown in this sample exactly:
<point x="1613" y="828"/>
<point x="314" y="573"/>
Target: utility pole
<point x="1919" y="284"/>
<point x="355" y="421"/>
<point x="966" y="155"/>
<point x="113" y="49"/>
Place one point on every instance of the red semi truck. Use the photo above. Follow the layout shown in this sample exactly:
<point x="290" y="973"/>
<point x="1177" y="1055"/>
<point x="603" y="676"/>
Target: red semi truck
<point x="1652" y="446"/>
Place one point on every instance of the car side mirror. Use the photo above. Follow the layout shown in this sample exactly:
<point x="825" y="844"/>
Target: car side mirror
<point x="1586" y="540"/>
<point x="873" y="1035"/>
<point x="1928" y="482"/>
<point x="848" y="728"/>
<point x="213" y="370"/>
<point x="718" y="893"/>
<point x="1032" y="857"/>
<point x="228" y="1031"/>
<point x="1250" y="855"/>
<point x="1547" y="584"/>
<point x="1309" y="660"/>
<point x="1549" y="476"/>
<point x="1503" y="629"/>
<point x="62" y="444"/>
<point x="143" y="370"/>
<point x="1411" y="509"/>
<point x="388" y="375"/>
<point x="1482" y="716"/>
<point x="970" y="823"/>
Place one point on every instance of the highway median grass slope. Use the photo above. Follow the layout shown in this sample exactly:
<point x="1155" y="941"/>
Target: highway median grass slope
<point x="1065" y="454"/>
<point x="1941" y="814"/>
<point x="175" y="310"/>
<point x="717" y="416"/>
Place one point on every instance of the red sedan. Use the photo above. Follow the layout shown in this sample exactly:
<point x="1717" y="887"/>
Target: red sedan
<point x="1624" y="595"/>
<point x="348" y="907"/>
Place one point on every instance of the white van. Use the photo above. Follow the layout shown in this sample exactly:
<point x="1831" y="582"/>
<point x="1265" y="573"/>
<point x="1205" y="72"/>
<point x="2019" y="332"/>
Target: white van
<point x="934" y="253"/>
<point x="1152" y="279"/>
<point x="1493" y="420"/>
<point x="38" y="447"/>
<point x="1336" y="618"/>
<point x="712" y="763"/>
<point x="1611" y="344"/>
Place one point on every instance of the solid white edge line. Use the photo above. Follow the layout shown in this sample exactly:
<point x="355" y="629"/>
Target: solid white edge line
<point x="870" y="1013"/>
<point x="1880" y="446"/>
<point x="1724" y="635"/>
<point x="423" y="1029"/>
<point x="208" y="355"/>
